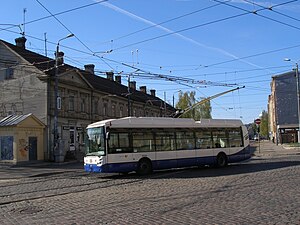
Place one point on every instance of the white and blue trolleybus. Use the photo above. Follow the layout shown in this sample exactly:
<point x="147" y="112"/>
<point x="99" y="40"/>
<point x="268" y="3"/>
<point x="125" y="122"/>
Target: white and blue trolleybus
<point x="144" y="144"/>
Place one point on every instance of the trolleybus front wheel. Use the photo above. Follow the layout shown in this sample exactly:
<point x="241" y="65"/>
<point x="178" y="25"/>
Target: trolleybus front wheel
<point x="144" y="167"/>
<point x="222" y="160"/>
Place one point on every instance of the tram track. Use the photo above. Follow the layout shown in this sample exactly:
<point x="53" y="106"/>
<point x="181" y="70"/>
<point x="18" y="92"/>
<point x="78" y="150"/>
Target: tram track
<point x="103" y="182"/>
<point x="48" y="193"/>
<point x="72" y="183"/>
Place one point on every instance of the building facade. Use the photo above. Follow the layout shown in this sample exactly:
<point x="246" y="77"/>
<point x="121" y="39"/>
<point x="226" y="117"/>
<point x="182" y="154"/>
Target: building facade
<point x="21" y="139"/>
<point x="283" y="108"/>
<point x="27" y="81"/>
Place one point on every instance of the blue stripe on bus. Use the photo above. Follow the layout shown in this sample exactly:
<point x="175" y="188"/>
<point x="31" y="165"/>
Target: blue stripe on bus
<point x="166" y="164"/>
<point x="240" y="156"/>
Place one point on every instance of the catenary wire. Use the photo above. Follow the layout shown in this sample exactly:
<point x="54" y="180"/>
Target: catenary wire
<point x="56" y="14"/>
<point x="199" y="25"/>
<point x="271" y="9"/>
<point x="167" y="21"/>
<point x="72" y="33"/>
<point x="255" y="13"/>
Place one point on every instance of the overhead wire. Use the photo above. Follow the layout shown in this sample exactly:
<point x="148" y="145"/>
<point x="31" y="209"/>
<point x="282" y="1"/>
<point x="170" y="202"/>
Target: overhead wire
<point x="55" y="14"/>
<point x="74" y="34"/>
<point x="167" y="21"/>
<point x="124" y="64"/>
<point x="255" y="12"/>
<point x="254" y="55"/>
<point x="274" y="11"/>
<point x="201" y="25"/>
<point x="118" y="62"/>
<point x="180" y="31"/>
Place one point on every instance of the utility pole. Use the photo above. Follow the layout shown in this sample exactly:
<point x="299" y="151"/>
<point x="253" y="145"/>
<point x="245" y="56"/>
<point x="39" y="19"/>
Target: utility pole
<point x="56" y="149"/>
<point x="165" y="104"/>
<point x="128" y="96"/>
<point x="174" y="97"/>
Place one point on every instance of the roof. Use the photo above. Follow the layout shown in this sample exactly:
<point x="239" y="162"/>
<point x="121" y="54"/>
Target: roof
<point x="285" y="75"/>
<point x="47" y="65"/>
<point x="115" y="88"/>
<point x="163" y="122"/>
<point x="13" y="120"/>
<point x="41" y="62"/>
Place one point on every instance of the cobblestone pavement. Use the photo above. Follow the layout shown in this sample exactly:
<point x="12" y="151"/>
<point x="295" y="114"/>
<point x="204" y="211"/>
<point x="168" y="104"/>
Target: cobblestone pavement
<point x="264" y="190"/>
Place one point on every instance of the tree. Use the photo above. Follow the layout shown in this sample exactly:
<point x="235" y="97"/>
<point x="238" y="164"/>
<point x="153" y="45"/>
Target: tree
<point x="188" y="99"/>
<point x="264" y="128"/>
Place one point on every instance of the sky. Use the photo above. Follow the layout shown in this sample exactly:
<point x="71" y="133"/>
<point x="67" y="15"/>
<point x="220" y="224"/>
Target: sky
<point x="207" y="46"/>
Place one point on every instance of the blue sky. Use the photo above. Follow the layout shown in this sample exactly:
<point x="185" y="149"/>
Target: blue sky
<point x="218" y="44"/>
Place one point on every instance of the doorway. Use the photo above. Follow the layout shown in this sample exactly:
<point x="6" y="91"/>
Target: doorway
<point x="32" y="148"/>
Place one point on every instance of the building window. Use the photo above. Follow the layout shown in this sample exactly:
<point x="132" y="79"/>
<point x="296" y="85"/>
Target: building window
<point x="82" y="105"/>
<point x="71" y="103"/>
<point x="113" y="110"/>
<point x="105" y="109"/>
<point x="96" y="103"/>
<point x="9" y="73"/>
<point x="121" y="111"/>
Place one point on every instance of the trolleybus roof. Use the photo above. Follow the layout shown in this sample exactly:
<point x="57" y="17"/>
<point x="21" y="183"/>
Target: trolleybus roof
<point x="161" y="122"/>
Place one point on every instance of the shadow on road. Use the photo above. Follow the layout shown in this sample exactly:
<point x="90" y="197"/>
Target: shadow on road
<point x="256" y="165"/>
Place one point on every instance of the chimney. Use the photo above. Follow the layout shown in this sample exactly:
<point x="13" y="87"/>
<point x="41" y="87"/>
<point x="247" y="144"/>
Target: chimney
<point x="143" y="89"/>
<point x="60" y="59"/>
<point x="90" y="68"/>
<point x="152" y="92"/>
<point x="110" y="75"/>
<point x="118" y="79"/>
<point x="132" y="85"/>
<point x="20" y="42"/>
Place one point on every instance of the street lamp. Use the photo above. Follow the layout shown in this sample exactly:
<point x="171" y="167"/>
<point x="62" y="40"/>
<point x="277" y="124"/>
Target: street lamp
<point x="174" y="97"/>
<point x="55" y="139"/>
<point x="298" y="95"/>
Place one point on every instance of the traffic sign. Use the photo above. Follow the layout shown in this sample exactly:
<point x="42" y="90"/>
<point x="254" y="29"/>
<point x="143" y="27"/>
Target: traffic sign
<point x="257" y="121"/>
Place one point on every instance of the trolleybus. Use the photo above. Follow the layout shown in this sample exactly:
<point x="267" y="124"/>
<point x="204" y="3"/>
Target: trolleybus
<point x="144" y="144"/>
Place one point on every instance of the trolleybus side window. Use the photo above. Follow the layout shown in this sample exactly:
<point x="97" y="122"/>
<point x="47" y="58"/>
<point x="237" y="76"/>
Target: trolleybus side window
<point x="235" y="137"/>
<point x="119" y="142"/>
<point x="165" y="140"/>
<point x="203" y="139"/>
<point x="185" y="140"/>
<point x="220" y="139"/>
<point x="143" y="141"/>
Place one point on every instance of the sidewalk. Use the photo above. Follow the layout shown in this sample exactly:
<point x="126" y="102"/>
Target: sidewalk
<point x="38" y="169"/>
<point x="268" y="148"/>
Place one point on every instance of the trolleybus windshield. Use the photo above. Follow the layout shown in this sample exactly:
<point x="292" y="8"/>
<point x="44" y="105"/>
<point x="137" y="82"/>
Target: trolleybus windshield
<point x="96" y="141"/>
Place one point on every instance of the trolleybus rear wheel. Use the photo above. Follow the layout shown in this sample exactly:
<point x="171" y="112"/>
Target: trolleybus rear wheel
<point x="144" y="167"/>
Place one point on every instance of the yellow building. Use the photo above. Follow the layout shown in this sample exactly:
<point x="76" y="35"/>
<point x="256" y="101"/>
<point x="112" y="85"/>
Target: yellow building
<point x="21" y="139"/>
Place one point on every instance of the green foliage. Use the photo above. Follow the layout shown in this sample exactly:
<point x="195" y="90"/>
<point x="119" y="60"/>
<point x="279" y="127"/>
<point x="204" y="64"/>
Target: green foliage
<point x="264" y="128"/>
<point x="188" y="99"/>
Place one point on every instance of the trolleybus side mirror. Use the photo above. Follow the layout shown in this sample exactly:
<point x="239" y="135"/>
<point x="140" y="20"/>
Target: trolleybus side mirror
<point x="107" y="135"/>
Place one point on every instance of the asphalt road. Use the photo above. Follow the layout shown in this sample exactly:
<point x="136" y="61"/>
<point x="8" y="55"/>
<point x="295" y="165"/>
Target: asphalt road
<point x="263" y="190"/>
